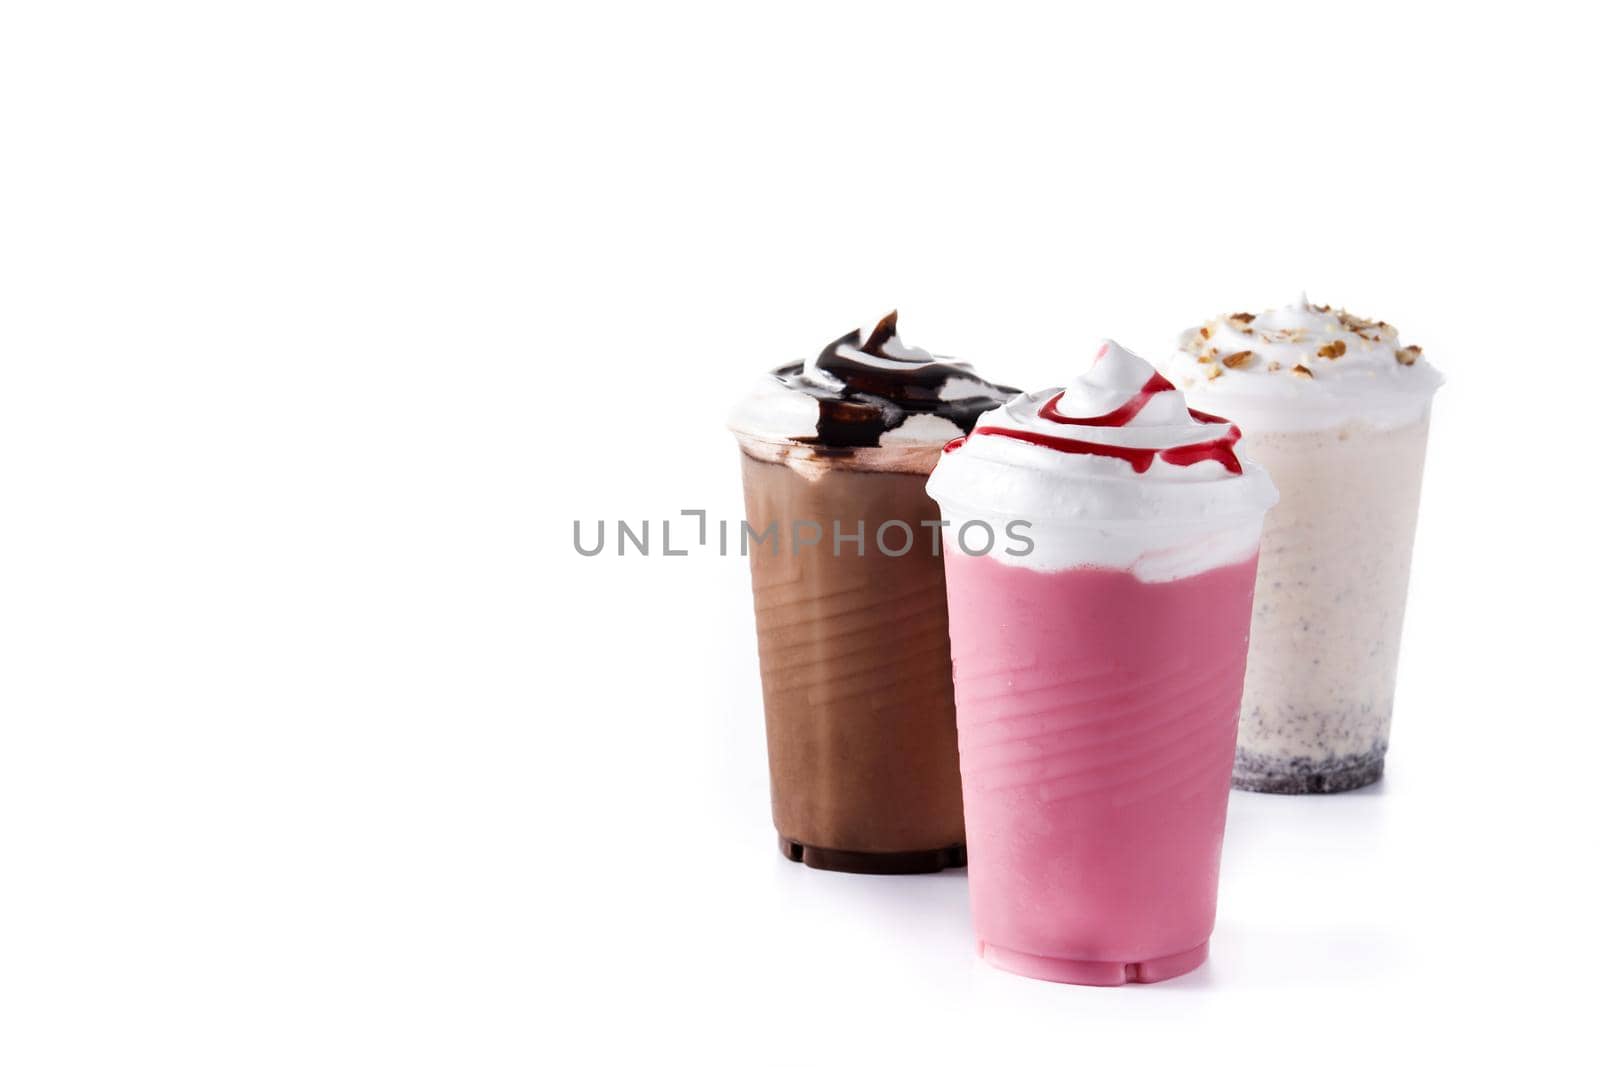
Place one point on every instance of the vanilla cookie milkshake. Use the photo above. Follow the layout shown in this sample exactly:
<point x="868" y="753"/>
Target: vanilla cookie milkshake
<point x="1098" y="668"/>
<point x="1336" y="409"/>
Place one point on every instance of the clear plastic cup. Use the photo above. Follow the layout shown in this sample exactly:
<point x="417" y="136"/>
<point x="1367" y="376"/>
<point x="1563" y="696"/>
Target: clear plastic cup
<point x="1330" y="601"/>
<point x="855" y="656"/>
<point x="1097" y="708"/>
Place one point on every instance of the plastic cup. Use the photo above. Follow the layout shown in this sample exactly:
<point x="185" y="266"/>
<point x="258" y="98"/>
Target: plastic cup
<point x="1330" y="601"/>
<point x="855" y="656"/>
<point x="1097" y="710"/>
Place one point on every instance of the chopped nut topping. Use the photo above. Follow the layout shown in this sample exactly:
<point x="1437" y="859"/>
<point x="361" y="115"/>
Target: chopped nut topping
<point x="1205" y="331"/>
<point x="1408" y="355"/>
<point x="1331" y="351"/>
<point x="1202" y="359"/>
<point x="1238" y="359"/>
<point x="1242" y="316"/>
<point x="1213" y="371"/>
<point x="1302" y="370"/>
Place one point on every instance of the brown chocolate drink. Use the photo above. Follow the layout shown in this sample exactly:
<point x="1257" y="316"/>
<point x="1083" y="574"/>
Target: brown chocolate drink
<point x="850" y="601"/>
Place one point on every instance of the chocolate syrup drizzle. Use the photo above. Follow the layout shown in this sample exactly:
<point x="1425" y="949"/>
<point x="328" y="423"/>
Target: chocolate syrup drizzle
<point x="861" y="400"/>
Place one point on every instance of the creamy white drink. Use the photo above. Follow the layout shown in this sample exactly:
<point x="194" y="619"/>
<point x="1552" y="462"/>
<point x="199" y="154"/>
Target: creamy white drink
<point x="1336" y="410"/>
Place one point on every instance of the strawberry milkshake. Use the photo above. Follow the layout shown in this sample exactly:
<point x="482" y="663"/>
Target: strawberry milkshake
<point x="1337" y="410"/>
<point x="1098" y="669"/>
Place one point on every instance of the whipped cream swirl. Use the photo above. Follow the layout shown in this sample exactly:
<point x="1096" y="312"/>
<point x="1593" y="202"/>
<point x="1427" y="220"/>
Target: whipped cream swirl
<point x="868" y="389"/>
<point x="1303" y="366"/>
<point x="1118" y="455"/>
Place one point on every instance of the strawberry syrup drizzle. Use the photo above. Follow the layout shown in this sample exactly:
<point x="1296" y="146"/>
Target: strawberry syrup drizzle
<point x="1140" y="459"/>
<point x="1120" y="417"/>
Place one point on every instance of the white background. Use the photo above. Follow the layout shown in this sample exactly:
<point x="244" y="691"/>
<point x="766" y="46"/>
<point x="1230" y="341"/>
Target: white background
<point x="321" y="323"/>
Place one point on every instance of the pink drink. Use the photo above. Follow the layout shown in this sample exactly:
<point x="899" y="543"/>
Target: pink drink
<point x="1097" y="715"/>
<point x="1098" y="672"/>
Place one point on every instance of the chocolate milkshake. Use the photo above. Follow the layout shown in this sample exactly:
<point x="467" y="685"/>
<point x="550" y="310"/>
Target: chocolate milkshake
<point x="1336" y="409"/>
<point x="850" y="600"/>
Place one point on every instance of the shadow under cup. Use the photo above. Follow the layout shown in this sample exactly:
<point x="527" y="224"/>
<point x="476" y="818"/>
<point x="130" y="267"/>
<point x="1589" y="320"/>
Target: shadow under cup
<point x="853" y="634"/>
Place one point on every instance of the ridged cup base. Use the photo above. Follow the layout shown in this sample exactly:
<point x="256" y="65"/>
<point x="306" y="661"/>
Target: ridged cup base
<point x="1094" y="972"/>
<point x="1258" y="774"/>
<point x="926" y="861"/>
